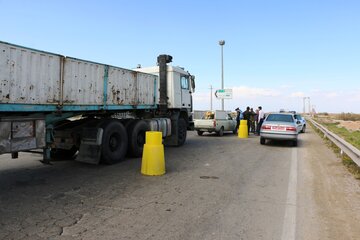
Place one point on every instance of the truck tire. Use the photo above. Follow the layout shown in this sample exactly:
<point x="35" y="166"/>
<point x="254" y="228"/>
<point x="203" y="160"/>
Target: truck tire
<point x="136" y="137"/>
<point x="114" y="142"/>
<point x="200" y="133"/>
<point x="182" y="132"/>
<point x="221" y="132"/>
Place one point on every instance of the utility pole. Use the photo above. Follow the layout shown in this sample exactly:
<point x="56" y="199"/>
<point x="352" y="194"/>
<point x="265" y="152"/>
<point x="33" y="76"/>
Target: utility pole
<point x="222" y="43"/>
<point x="309" y="106"/>
<point x="211" y="88"/>
<point x="304" y="104"/>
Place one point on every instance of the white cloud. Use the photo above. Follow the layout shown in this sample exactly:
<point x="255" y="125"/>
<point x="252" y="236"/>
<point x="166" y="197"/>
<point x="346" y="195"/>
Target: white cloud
<point x="297" y="94"/>
<point x="332" y="94"/>
<point x="273" y="99"/>
<point x="248" y="92"/>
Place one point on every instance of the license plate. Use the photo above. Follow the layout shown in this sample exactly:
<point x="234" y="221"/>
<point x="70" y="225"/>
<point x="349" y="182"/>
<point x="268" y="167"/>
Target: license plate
<point x="278" y="128"/>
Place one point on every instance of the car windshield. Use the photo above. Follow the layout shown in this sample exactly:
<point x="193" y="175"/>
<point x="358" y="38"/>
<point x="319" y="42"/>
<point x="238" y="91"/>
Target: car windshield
<point x="280" y="118"/>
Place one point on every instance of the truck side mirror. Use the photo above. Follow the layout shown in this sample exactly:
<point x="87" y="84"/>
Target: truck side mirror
<point x="192" y="80"/>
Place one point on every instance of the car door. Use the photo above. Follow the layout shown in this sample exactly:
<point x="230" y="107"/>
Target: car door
<point x="299" y="123"/>
<point x="231" y="123"/>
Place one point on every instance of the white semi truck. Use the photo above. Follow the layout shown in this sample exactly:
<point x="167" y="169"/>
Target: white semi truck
<point x="95" y="112"/>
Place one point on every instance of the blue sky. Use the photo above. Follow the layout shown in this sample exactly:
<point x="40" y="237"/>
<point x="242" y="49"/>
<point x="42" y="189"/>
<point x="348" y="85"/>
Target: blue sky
<point x="276" y="52"/>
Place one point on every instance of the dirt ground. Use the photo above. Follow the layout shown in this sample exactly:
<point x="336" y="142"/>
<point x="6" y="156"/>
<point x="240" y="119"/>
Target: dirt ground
<point x="214" y="188"/>
<point x="350" y="125"/>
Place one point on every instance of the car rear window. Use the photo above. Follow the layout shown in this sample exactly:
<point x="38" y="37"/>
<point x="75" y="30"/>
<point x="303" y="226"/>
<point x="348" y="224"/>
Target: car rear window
<point x="280" y="118"/>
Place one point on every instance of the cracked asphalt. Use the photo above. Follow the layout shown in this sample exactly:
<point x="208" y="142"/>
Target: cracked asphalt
<point x="214" y="188"/>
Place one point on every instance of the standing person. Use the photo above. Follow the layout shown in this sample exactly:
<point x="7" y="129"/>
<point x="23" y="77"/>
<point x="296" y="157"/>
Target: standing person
<point x="260" y="119"/>
<point x="247" y="115"/>
<point x="256" y="118"/>
<point x="238" y="113"/>
<point x="252" y="120"/>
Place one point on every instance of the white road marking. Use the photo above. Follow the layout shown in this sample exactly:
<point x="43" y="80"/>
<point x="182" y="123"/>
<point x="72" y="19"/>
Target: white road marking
<point x="289" y="226"/>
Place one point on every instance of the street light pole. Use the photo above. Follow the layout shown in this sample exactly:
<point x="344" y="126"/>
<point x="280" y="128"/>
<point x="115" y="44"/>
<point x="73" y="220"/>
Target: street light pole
<point x="304" y="99"/>
<point x="222" y="43"/>
<point x="304" y="104"/>
<point x="211" y="88"/>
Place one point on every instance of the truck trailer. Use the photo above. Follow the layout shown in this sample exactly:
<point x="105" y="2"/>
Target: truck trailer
<point x="92" y="112"/>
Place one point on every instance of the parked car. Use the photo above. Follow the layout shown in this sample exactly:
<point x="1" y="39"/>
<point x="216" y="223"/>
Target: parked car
<point x="280" y="126"/>
<point x="214" y="121"/>
<point x="302" y="123"/>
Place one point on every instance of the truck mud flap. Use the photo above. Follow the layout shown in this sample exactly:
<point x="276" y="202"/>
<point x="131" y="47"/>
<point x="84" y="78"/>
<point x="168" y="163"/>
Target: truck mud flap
<point x="90" y="147"/>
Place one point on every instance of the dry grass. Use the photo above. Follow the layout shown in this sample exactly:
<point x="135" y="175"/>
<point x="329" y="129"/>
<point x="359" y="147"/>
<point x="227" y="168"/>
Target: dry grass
<point x="352" y="167"/>
<point x="348" y="116"/>
<point x="340" y="116"/>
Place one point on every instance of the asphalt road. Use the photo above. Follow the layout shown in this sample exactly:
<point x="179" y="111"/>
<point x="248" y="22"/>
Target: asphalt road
<point x="214" y="188"/>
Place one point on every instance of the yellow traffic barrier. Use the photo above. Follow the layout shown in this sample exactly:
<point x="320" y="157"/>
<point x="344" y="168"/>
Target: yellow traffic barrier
<point x="153" y="158"/>
<point x="243" y="129"/>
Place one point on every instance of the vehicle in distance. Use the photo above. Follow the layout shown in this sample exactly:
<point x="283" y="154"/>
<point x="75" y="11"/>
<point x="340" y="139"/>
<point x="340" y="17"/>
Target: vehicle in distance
<point x="302" y="124"/>
<point x="280" y="126"/>
<point x="214" y="121"/>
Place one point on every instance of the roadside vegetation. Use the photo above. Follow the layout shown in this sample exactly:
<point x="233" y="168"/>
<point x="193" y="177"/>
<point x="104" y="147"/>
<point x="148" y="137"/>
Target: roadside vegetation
<point x="350" y="136"/>
<point x="341" y="116"/>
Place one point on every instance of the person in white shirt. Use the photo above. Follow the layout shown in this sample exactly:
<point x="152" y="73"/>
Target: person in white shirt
<point x="261" y="117"/>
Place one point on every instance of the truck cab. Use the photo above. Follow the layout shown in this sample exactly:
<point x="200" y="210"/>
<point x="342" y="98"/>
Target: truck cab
<point x="180" y="86"/>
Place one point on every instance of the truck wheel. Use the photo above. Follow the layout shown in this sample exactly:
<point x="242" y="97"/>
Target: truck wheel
<point x="114" y="142"/>
<point x="221" y="131"/>
<point x="200" y="133"/>
<point x="262" y="141"/>
<point x="182" y="131"/>
<point x="136" y="136"/>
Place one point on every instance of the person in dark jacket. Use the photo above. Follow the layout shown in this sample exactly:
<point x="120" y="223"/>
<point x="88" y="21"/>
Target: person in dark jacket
<point x="247" y="114"/>
<point x="238" y="113"/>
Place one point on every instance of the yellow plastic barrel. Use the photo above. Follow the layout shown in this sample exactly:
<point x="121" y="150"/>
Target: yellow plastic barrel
<point x="153" y="158"/>
<point x="243" y="129"/>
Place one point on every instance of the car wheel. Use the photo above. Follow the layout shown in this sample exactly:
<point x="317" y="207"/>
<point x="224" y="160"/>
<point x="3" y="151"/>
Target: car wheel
<point x="221" y="131"/>
<point x="200" y="133"/>
<point x="295" y="143"/>
<point x="262" y="140"/>
<point x="303" y="129"/>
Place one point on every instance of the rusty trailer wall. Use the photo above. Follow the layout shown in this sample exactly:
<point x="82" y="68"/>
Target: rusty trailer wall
<point x="49" y="81"/>
<point x="83" y="82"/>
<point x="28" y="76"/>
<point x="129" y="87"/>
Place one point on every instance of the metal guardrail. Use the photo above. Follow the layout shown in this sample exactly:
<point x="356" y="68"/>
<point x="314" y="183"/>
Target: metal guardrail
<point x="344" y="146"/>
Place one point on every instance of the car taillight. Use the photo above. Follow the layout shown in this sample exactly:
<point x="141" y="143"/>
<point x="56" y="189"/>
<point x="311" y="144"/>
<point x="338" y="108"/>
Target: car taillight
<point x="214" y="123"/>
<point x="291" y="129"/>
<point x="266" y="127"/>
